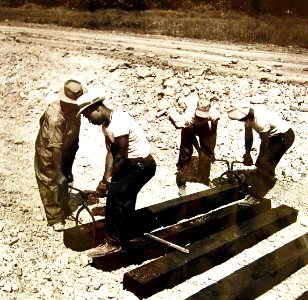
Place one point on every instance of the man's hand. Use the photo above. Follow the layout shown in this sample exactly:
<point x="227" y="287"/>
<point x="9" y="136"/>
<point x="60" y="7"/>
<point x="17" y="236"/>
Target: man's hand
<point x="70" y="178"/>
<point x="102" y="188"/>
<point x="61" y="179"/>
<point x="214" y="114"/>
<point x="247" y="159"/>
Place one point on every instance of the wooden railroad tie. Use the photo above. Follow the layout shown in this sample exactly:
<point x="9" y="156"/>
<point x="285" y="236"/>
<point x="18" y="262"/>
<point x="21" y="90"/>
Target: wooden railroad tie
<point x="183" y="233"/>
<point x="149" y="218"/>
<point x="261" y="275"/>
<point x="176" y="267"/>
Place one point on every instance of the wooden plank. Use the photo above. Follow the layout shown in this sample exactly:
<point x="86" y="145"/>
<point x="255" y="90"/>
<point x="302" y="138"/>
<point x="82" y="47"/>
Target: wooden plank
<point x="183" y="233"/>
<point x="261" y="275"/>
<point x="177" y="267"/>
<point x="172" y="211"/>
<point x="304" y="296"/>
<point x="166" y="213"/>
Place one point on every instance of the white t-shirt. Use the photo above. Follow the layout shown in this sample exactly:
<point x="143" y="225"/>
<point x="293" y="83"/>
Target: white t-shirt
<point x="123" y="124"/>
<point x="267" y="121"/>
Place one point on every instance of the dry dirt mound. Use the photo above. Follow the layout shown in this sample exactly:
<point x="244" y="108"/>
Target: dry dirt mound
<point x="143" y="75"/>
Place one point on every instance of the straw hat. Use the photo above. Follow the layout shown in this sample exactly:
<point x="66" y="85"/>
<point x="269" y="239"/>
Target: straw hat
<point x="93" y="96"/>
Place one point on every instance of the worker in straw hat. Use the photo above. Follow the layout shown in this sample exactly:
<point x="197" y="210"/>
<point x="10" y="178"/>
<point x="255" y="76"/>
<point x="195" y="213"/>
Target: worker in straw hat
<point x="55" y="148"/>
<point x="276" y="138"/>
<point x="200" y="119"/>
<point x="129" y="165"/>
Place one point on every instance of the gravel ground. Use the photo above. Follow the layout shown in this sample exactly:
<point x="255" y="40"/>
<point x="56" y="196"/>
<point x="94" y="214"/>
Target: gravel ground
<point x="35" y="264"/>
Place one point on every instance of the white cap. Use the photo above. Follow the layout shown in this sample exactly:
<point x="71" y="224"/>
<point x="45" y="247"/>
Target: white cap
<point x="239" y="109"/>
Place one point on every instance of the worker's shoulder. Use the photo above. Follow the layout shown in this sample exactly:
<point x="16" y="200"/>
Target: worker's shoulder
<point x="121" y="115"/>
<point x="54" y="112"/>
<point x="261" y="110"/>
<point x="54" y="107"/>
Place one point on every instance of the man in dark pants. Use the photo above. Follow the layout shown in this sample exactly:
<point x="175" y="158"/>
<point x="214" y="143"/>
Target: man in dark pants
<point x="276" y="138"/>
<point x="199" y="120"/>
<point x="128" y="167"/>
<point x="55" y="149"/>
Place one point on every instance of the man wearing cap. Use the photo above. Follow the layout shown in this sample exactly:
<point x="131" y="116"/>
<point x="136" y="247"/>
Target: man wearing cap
<point x="200" y="119"/>
<point x="128" y="167"/>
<point x="55" y="149"/>
<point x="276" y="138"/>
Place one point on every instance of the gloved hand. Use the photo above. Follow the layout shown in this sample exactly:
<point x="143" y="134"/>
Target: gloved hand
<point x="247" y="159"/>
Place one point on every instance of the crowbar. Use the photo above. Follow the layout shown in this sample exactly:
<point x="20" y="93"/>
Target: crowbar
<point x="156" y="238"/>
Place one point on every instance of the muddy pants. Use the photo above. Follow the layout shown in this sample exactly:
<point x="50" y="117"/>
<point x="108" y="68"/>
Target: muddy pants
<point x="55" y="198"/>
<point x="122" y="196"/>
<point x="207" y="139"/>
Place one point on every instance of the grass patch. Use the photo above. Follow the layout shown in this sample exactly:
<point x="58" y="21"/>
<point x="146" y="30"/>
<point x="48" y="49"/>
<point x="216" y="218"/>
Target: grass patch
<point x="202" y="22"/>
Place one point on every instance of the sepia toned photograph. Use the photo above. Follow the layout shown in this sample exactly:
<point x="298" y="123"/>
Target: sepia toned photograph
<point x="154" y="149"/>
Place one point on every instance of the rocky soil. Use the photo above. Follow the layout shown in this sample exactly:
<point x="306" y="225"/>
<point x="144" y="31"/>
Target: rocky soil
<point x="143" y="75"/>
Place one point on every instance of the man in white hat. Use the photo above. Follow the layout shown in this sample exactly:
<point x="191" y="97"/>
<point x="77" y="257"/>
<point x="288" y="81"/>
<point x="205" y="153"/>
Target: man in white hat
<point x="200" y="119"/>
<point x="55" y="148"/>
<point x="276" y="138"/>
<point x="129" y="166"/>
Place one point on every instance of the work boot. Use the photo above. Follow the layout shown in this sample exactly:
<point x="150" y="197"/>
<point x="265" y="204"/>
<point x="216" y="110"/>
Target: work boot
<point x="109" y="246"/>
<point x="59" y="226"/>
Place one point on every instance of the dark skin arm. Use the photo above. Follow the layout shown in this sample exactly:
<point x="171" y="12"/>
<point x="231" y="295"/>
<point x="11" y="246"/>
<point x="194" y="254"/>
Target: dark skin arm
<point x="115" y="162"/>
<point x="248" y="139"/>
<point x="264" y="136"/>
<point x="247" y="160"/>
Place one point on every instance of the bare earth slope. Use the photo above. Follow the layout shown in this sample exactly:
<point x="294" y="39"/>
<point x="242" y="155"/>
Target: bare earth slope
<point x="143" y="75"/>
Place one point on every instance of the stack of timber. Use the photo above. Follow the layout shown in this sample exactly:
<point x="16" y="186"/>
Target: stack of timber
<point x="213" y="226"/>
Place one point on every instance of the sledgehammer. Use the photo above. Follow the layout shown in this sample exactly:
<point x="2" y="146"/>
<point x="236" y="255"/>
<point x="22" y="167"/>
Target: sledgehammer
<point x="177" y="247"/>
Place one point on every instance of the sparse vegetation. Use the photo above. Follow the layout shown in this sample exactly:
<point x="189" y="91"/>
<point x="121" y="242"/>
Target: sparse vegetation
<point x="201" y="22"/>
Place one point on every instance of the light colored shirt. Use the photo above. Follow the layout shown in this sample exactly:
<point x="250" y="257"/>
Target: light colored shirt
<point x="188" y="118"/>
<point x="123" y="124"/>
<point x="267" y="121"/>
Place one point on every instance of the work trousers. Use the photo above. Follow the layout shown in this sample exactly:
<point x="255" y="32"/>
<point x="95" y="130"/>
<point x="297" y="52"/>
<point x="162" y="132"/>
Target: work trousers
<point x="55" y="198"/>
<point x="122" y="196"/>
<point x="270" y="156"/>
<point x="207" y="140"/>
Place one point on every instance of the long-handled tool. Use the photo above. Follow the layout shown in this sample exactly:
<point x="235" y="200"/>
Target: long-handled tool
<point x="177" y="247"/>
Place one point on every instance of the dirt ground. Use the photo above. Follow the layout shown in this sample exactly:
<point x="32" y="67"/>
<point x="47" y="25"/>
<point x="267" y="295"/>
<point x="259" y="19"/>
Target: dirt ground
<point x="143" y="75"/>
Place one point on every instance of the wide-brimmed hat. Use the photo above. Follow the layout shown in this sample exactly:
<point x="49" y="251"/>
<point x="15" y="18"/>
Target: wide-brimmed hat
<point x="71" y="91"/>
<point x="239" y="109"/>
<point x="203" y="108"/>
<point x="93" y="96"/>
